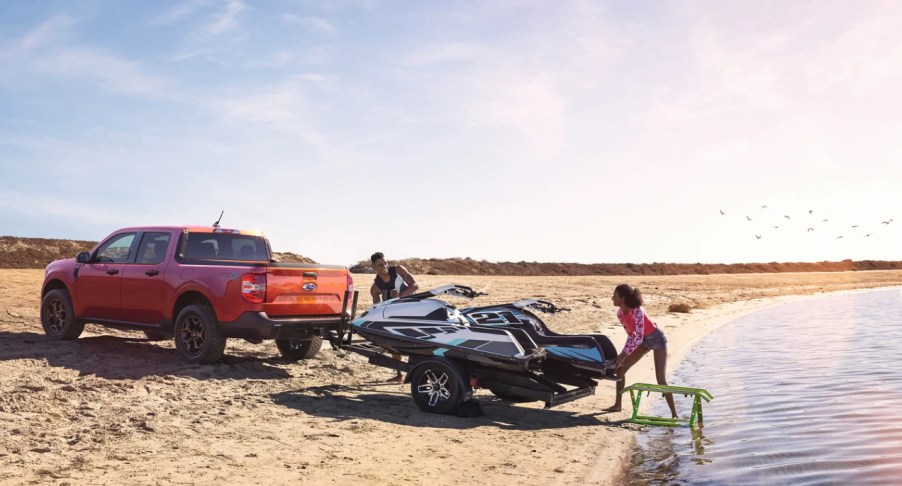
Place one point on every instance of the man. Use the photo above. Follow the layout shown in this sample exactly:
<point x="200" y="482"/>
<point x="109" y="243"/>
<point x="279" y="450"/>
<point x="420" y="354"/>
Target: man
<point x="391" y="282"/>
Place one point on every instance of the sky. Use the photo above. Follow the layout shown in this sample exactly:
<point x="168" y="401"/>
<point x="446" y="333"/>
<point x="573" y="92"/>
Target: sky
<point x="584" y="131"/>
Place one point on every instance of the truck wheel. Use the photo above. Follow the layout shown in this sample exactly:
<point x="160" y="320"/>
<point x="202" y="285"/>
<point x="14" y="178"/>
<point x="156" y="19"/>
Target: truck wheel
<point x="155" y="336"/>
<point x="58" y="318"/>
<point x="437" y="387"/>
<point x="197" y="336"/>
<point x="295" y="350"/>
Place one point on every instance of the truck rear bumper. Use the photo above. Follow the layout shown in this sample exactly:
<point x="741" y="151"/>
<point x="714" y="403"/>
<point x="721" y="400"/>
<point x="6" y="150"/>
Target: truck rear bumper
<point x="258" y="325"/>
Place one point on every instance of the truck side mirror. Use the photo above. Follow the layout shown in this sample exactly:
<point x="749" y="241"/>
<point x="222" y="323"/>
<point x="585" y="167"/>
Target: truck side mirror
<point x="83" y="257"/>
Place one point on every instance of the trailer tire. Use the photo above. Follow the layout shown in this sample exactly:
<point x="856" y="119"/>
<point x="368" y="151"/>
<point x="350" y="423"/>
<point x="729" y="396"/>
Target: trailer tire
<point x="437" y="386"/>
<point x="296" y="350"/>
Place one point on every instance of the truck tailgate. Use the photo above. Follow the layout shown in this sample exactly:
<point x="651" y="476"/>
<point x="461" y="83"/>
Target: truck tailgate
<point x="311" y="291"/>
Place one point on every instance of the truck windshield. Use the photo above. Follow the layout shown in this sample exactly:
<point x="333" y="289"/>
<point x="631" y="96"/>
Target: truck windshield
<point x="226" y="246"/>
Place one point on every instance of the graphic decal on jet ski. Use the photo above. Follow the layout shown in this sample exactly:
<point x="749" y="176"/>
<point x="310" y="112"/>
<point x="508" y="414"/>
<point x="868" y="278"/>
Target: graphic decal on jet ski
<point x="493" y="341"/>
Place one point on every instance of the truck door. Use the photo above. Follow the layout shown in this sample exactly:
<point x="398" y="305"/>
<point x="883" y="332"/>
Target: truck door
<point x="98" y="285"/>
<point x="143" y="282"/>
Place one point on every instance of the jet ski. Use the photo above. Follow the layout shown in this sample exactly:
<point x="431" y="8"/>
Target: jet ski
<point x="505" y="348"/>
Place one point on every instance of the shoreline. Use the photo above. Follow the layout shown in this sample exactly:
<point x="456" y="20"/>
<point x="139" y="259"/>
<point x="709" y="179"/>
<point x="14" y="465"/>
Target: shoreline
<point x="680" y="345"/>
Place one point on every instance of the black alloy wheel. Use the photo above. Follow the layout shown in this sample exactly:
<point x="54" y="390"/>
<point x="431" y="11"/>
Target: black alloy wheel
<point x="197" y="336"/>
<point x="58" y="318"/>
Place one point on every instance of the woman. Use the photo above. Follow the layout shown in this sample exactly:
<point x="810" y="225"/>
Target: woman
<point x="642" y="336"/>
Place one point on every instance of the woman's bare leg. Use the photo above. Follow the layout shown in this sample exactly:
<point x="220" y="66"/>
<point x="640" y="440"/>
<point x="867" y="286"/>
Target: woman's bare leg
<point x="628" y="363"/>
<point x="661" y="374"/>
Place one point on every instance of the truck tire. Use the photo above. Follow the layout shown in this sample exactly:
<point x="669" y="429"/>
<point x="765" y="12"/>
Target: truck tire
<point x="58" y="317"/>
<point x="296" y="350"/>
<point x="437" y="386"/>
<point x="197" y="336"/>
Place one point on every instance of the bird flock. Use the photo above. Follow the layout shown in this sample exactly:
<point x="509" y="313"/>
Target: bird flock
<point x="811" y="223"/>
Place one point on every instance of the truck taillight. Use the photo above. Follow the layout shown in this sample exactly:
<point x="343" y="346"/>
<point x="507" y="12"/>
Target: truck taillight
<point x="350" y="283"/>
<point x="253" y="287"/>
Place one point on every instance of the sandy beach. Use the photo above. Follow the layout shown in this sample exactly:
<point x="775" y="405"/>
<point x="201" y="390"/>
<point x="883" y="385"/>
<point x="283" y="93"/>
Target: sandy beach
<point x="114" y="408"/>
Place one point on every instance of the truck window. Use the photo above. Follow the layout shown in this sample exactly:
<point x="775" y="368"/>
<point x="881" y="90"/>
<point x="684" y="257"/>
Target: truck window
<point x="226" y="246"/>
<point x="153" y="248"/>
<point x="116" y="249"/>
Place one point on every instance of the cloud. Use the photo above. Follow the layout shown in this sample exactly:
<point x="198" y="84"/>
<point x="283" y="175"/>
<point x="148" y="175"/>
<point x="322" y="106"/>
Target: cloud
<point x="46" y="205"/>
<point x="283" y="107"/>
<point x="180" y="12"/>
<point x="227" y="19"/>
<point x="528" y="105"/>
<point x="317" y="24"/>
<point x="439" y="53"/>
<point x="865" y="57"/>
<point x="48" y="32"/>
<point x="111" y="72"/>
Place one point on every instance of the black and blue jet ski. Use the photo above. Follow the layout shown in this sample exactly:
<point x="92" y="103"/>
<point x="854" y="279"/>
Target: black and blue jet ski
<point x="505" y="348"/>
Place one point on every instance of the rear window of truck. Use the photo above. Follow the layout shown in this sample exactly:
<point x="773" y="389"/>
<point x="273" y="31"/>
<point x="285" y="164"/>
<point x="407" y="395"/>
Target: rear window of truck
<point x="226" y="246"/>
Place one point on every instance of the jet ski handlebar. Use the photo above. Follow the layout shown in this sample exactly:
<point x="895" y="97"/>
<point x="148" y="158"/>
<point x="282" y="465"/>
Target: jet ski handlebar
<point x="452" y="290"/>
<point x="540" y="305"/>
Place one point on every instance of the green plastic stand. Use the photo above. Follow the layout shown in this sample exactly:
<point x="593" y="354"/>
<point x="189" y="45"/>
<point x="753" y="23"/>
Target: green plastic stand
<point x="698" y="394"/>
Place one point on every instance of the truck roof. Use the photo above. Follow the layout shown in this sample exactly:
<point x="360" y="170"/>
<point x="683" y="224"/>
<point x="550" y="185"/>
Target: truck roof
<point x="193" y="229"/>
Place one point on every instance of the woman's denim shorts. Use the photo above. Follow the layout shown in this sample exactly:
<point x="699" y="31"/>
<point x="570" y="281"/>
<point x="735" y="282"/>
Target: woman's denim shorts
<point x="655" y="340"/>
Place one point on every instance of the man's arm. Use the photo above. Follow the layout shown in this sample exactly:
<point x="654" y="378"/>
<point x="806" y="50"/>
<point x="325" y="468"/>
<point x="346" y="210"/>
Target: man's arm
<point x="411" y="282"/>
<point x="376" y="294"/>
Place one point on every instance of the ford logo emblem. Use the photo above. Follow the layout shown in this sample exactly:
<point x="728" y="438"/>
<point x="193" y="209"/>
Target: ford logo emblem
<point x="309" y="287"/>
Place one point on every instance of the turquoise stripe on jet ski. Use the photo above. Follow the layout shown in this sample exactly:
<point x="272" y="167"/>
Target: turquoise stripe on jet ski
<point x="453" y="342"/>
<point x="575" y="353"/>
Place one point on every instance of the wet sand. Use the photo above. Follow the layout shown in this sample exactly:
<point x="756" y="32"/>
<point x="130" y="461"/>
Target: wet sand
<point x="113" y="408"/>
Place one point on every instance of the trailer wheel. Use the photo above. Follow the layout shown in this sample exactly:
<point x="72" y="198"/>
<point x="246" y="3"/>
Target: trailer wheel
<point x="295" y="350"/>
<point x="437" y="386"/>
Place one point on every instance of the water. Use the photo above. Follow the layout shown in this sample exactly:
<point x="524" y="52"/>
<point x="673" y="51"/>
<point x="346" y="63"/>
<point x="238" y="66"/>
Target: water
<point x="804" y="393"/>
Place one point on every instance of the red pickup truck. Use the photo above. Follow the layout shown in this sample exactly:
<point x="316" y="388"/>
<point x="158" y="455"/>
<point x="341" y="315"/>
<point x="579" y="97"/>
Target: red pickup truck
<point x="200" y="285"/>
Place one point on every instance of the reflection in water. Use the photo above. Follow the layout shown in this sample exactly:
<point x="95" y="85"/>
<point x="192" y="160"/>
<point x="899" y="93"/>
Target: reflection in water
<point x="805" y="393"/>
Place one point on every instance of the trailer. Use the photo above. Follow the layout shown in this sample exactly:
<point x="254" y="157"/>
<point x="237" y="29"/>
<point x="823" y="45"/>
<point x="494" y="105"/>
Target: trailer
<point x="505" y="348"/>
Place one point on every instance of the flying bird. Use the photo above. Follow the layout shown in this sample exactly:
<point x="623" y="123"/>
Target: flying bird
<point x="764" y="207"/>
<point x="748" y="218"/>
<point x="810" y="211"/>
<point x="786" y="216"/>
<point x="867" y="235"/>
<point x="854" y="225"/>
<point x="885" y="222"/>
<point x="722" y="213"/>
<point x="824" y="221"/>
<point x="777" y="227"/>
<point x="810" y="229"/>
<point x="838" y="237"/>
<point x="758" y="236"/>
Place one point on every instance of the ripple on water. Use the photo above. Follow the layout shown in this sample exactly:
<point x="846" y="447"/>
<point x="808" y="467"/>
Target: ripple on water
<point x="805" y="393"/>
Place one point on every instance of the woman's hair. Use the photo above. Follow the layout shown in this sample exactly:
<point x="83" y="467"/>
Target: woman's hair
<point x="632" y="297"/>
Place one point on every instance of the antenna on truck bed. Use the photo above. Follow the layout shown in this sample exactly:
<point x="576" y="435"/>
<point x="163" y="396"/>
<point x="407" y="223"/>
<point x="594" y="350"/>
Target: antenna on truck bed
<point x="216" y="224"/>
